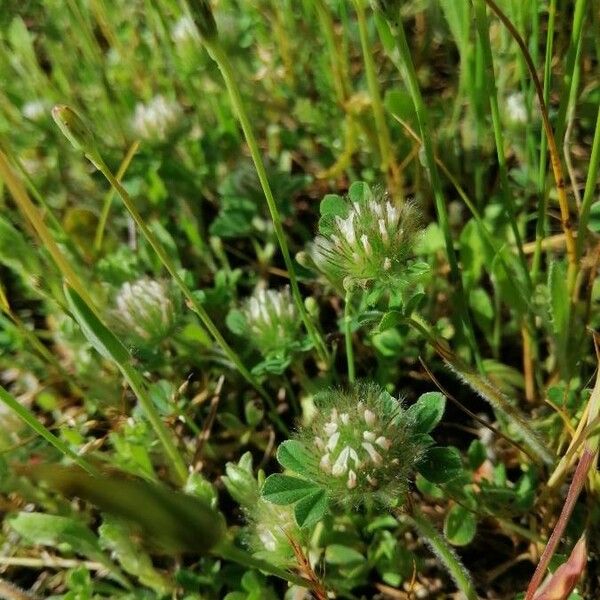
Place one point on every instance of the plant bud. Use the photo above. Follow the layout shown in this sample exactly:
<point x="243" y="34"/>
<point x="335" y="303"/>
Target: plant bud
<point x="74" y="128"/>
<point x="271" y="322"/>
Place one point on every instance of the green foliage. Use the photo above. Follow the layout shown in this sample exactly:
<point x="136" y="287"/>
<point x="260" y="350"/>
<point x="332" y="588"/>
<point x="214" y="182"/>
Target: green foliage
<point x="217" y="437"/>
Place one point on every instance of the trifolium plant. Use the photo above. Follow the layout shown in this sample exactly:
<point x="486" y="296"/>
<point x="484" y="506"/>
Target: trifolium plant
<point x="361" y="449"/>
<point x="269" y="320"/>
<point x="270" y="527"/>
<point x="145" y="311"/>
<point x="157" y="119"/>
<point x="365" y="240"/>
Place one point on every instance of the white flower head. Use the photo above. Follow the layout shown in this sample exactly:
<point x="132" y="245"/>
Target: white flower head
<point x="363" y="446"/>
<point x="35" y="110"/>
<point x="364" y="241"/>
<point x="145" y="311"/>
<point x="516" y="109"/>
<point x="184" y="31"/>
<point x="272" y="321"/>
<point x="157" y="119"/>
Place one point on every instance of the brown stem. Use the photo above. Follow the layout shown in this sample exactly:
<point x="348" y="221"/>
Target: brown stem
<point x="581" y="473"/>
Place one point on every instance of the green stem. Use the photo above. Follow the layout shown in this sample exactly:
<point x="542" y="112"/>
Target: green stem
<point x="444" y="552"/>
<point x="388" y="163"/>
<point x="540" y="232"/>
<point x="139" y="389"/>
<point x="491" y="90"/>
<point x="187" y="292"/>
<point x="109" y="196"/>
<point x="485" y="389"/>
<point x="348" y="336"/>
<point x="590" y="186"/>
<point x="29" y="418"/>
<point x="569" y="73"/>
<point x="407" y="69"/>
<point x="218" y="54"/>
<point x="228" y="551"/>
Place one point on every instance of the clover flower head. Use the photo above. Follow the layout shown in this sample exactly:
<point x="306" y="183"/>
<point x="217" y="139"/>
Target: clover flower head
<point x="272" y="320"/>
<point x="184" y="30"/>
<point x="268" y="525"/>
<point x="362" y="445"/>
<point x="146" y="311"/>
<point x="516" y="109"/>
<point x="363" y="239"/>
<point x="35" y="110"/>
<point x="156" y="119"/>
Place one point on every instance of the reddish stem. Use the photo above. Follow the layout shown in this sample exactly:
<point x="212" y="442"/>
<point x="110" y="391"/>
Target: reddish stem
<point x="581" y="473"/>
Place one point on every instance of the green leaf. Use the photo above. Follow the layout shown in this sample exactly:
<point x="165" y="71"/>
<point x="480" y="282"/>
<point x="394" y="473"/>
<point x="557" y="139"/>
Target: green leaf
<point x="240" y="481"/>
<point x="338" y="554"/>
<point x="97" y="334"/>
<point x="360" y="192"/>
<point x="236" y="322"/>
<point x="115" y="537"/>
<point x="334" y="205"/>
<point x="294" y="456"/>
<point x="51" y="530"/>
<point x="440" y="464"/>
<point x="171" y="521"/>
<point x="389" y="320"/>
<point x="427" y="411"/>
<point x="283" y="489"/>
<point x="476" y="454"/>
<point x="460" y="526"/>
<point x="311" y="509"/>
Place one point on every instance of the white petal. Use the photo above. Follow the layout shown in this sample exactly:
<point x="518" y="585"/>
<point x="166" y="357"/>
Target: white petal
<point x="325" y="463"/>
<point x="369" y="436"/>
<point x="370" y="417"/>
<point x="351" y="480"/>
<point x="373" y="454"/>
<point x="333" y="440"/>
<point x="383" y="442"/>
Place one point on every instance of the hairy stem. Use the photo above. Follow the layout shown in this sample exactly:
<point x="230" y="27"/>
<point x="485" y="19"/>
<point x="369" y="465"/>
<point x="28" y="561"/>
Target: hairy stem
<point x="440" y="547"/>
<point x="348" y="337"/>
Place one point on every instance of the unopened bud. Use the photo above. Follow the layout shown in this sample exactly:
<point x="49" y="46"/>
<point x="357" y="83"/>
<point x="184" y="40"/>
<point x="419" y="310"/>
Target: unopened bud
<point x="204" y="19"/>
<point x="74" y="128"/>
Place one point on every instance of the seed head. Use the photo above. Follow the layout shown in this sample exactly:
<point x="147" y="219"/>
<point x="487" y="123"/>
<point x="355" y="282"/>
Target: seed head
<point x="363" y="446"/>
<point x="368" y="241"/>
<point x="146" y="311"/>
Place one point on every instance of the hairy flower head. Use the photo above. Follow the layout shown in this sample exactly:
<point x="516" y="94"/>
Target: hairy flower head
<point x="146" y="311"/>
<point x="364" y="238"/>
<point x="156" y="119"/>
<point x="361" y="444"/>
<point x="272" y="320"/>
<point x="269" y="527"/>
